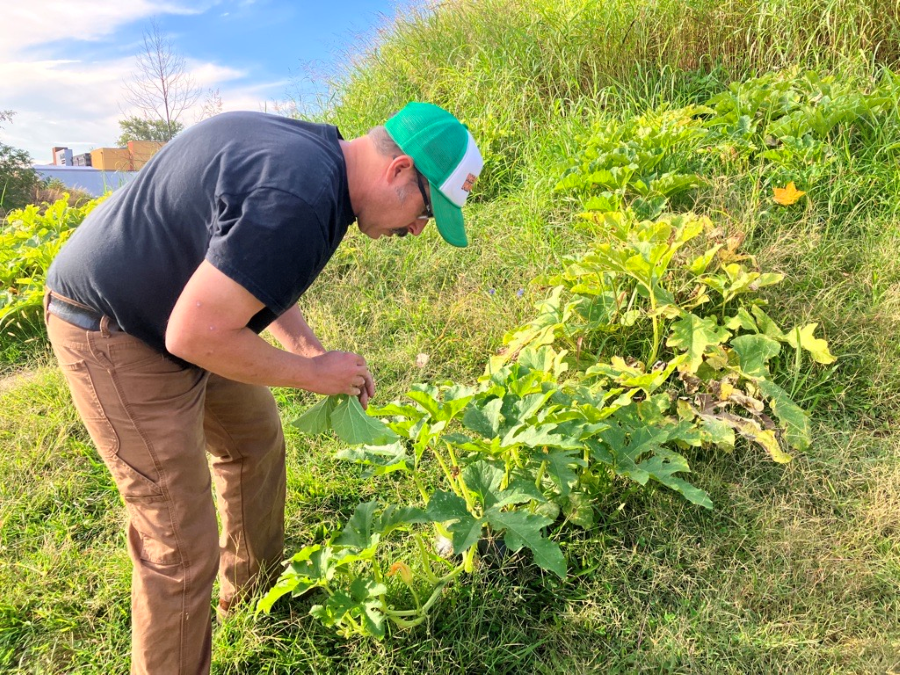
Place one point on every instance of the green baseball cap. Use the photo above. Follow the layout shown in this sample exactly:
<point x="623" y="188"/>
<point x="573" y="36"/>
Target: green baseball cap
<point x="445" y="153"/>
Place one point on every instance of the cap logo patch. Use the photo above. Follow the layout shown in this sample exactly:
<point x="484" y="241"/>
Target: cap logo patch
<point x="469" y="182"/>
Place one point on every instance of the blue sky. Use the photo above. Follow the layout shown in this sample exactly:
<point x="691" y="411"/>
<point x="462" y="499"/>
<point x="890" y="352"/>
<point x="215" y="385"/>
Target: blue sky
<point x="63" y="62"/>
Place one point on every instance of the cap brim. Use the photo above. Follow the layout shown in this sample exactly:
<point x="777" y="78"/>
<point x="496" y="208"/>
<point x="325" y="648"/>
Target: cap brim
<point x="449" y="219"/>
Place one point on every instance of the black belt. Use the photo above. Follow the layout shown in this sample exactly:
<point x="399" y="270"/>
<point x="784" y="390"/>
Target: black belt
<point x="74" y="314"/>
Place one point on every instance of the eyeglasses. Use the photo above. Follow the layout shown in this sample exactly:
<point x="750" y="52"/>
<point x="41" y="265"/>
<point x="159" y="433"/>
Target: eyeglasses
<point x="428" y="212"/>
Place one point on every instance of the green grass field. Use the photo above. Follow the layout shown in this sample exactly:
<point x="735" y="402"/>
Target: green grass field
<point x="795" y="570"/>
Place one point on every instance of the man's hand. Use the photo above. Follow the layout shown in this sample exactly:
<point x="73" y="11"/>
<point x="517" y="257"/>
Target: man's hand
<point x="343" y="373"/>
<point x="208" y="327"/>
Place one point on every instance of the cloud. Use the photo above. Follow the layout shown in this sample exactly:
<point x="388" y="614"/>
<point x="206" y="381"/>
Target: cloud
<point x="78" y="104"/>
<point x="61" y="102"/>
<point x="213" y="74"/>
<point x="26" y="23"/>
<point x="61" y="99"/>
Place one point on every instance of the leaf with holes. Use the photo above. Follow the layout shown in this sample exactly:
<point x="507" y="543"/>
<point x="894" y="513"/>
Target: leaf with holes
<point x="693" y="335"/>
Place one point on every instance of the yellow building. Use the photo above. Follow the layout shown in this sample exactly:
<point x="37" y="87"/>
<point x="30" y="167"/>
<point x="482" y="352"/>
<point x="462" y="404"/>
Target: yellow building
<point x="142" y="151"/>
<point x="111" y="159"/>
<point x="131" y="158"/>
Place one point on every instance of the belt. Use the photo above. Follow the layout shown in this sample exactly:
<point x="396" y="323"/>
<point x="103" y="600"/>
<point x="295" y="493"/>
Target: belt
<point x="74" y="314"/>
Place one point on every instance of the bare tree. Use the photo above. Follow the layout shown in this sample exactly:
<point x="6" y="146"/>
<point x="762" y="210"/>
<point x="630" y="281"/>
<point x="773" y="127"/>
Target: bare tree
<point x="212" y="105"/>
<point x="161" y="87"/>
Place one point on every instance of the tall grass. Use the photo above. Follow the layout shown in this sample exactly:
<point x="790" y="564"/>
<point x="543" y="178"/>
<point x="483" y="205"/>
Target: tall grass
<point x="511" y="68"/>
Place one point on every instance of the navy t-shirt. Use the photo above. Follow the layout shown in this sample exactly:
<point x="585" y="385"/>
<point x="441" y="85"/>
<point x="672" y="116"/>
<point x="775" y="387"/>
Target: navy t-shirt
<point x="263" y="198"/>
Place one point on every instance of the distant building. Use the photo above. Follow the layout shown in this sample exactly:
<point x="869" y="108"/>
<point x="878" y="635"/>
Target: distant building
<point x="142" y="151"/>
<point x="63" y="157"/>
<point x="101" y="170"/>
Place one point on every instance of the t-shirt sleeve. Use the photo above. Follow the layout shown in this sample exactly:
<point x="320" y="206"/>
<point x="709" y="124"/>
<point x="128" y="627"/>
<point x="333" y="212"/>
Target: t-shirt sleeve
<point x="269" y="241"/>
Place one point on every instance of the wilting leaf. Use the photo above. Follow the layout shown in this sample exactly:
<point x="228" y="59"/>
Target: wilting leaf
<point x="446" y="506"/>
<point x="580" y="510"/>
<point x="383" y="459"/>
<point x="742" y="320"/>
<point x="698" y="265"/>
<point x="426" y="400"/>
<point x="519" y="492"/>
<point x="818" y="348"/>
<point x="664" y="465"/>
<point x="309" y="567"/>
<point x="717" y="432"/>
<point x="793" y="418"/>
<point x="538" y="436"/>
<point x="362" y="603"/>
<point x="484" y="420"/>
<point x="395" y="516"/>
<point x="360" y="529"/>
<point x="766" y="438"/>
<point x="766" y="324"/>
<point x="558" y="468"/>
<point x="483" y="479"/>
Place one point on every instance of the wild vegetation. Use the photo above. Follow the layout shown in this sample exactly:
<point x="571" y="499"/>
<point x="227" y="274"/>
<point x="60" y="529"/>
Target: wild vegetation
<point x="681" y="201"/>
<point x="18" y="181"/>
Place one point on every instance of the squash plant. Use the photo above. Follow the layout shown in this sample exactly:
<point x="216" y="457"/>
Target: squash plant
<point x="555" y="420"/>
<point x="650" y="345"/>
<point x="639" y="161"/>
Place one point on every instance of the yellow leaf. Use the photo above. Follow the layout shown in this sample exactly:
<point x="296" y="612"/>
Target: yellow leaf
<point x="767" y="439"/>
<point x="804" y="338"/>
<point x="725" y="391"/>
<point x="787" y="195"/>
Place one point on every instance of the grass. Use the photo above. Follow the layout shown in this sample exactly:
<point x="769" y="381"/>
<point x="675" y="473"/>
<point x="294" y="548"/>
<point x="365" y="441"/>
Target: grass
<point x="796" y="568"/>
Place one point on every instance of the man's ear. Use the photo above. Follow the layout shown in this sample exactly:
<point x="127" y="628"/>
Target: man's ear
<point x="399" y="166"/>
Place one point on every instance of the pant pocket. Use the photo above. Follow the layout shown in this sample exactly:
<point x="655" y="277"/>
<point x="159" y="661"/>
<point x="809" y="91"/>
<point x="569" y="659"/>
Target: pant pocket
<point x="84" y="395"/>
<point x="131" y="482"/>
<point x="151" y="535"/>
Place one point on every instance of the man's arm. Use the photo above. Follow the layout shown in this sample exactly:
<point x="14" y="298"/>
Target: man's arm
<point x="208" y="327"/>
<point x="295" y="335"/>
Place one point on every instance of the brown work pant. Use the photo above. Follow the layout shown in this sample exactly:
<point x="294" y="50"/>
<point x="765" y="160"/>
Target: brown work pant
<point x="152" y="422"/>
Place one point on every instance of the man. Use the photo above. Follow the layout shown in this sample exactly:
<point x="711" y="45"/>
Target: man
<point x="154" y="307"/>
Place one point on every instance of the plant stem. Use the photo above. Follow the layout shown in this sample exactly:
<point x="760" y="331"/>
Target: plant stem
<point x="452" y="454"/>
<point x="540" y="474"/>
<point x="469" y="560"/>
<point x="470" y="505"/>
<point x="655" y="319"/>
<point x="396" y="615"/>
<point x="426" y="560"/>
<point x="796" y="364"/>
<point x="446" y="470"/>
<point x="422" y="491"/>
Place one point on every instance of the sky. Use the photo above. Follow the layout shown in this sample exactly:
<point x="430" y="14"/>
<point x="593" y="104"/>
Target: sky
<point x="63" y="63"/>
